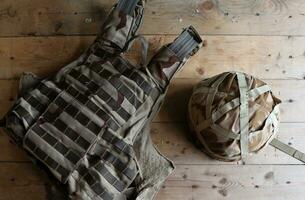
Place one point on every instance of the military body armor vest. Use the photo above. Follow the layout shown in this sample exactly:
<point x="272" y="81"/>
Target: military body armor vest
<point x="88" y="123"/>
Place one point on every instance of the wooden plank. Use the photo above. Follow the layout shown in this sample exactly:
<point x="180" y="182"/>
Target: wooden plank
<point x="10" y="151"/>
<point x="172" y="139"/>
<point x="235" y="182"/>
<point x="260" y="56"/>
<point x="68" y="17"/>
<point x="21" y="174"/>
<point x="290" y="91"/>
<point x="23" y="181"/>
<point x="27" y="192"/>
<point x="188" y="182"/>
<point x="40" y="55"/>
<point x="42" y="17"/>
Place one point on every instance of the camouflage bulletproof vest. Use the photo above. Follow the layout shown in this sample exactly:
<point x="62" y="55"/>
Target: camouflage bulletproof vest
<point x="89" y="124"/>
<point x="234" y="114"/>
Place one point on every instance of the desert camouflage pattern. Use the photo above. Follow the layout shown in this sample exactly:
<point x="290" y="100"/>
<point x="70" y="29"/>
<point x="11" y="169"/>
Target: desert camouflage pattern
<point x="89" y="124"/>
<point x="166" y="62"/>
<point x="215" y="115"/>
<point x="121" y="26"/>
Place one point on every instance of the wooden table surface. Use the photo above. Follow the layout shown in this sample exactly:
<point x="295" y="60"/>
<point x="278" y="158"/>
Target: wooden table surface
<point x="265" y="38"/>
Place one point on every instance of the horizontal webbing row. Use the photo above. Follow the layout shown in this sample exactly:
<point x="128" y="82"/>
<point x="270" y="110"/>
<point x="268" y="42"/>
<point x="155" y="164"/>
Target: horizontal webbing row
<point x="101" y="93"/>
<point x="33" y="104"/>
<point x="94" y="184"/>
<point x="134" y="75"/>
<point x="118" y="144"/>
<point x="100" y="167"/>
<point x="65" y="105"/>
<point x="76" y="114"/>
<point x="234" y="103"/>
<point x="117" y="83"/>
<point x="47" y="159"/>
<point x="58" y="147"/>
<point x="92" y="106"/>
<point x="120" y="165"/>
<point x="24" y="114"/>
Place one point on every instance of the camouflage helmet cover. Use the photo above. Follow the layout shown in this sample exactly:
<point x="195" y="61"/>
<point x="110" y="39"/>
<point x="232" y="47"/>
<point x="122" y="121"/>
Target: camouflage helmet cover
<point x="220" y="105"/>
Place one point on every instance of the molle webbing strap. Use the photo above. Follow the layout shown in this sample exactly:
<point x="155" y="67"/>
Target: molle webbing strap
<point x="127" y="6"/>
<point x="186" y="43"/>
<point x="243" y="114"/>
<point x="288" y="150"/>
<point x="252" y="94"/>
<point x="211" y="96"/>
<point x="224" y="132"/>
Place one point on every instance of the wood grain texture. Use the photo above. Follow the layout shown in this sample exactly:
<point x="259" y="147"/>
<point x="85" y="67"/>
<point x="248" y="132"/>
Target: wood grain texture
<point x="27" y="192"/>
<point x="278" y="57"/>
<point x="212" y="182"/>
<point x="68" y="17"/>
<point x="23" y="181"/>
<point x="173" y="139"/>
<point x="188" y="182"/>
<point x="261" y="37"/>
<point x="10" y="151"/>
<point x="291" y="92"/>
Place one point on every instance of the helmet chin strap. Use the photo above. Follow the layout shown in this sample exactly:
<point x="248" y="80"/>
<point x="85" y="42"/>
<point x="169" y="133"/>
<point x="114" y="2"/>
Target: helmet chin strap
<point x="288" y="150"/>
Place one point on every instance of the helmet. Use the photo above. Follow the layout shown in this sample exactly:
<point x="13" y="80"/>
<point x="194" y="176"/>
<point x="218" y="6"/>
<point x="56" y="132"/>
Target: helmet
<point x="232" y="115"/>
